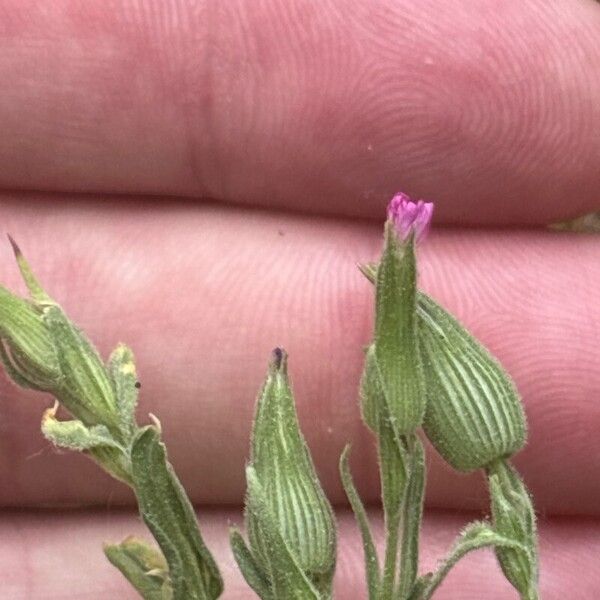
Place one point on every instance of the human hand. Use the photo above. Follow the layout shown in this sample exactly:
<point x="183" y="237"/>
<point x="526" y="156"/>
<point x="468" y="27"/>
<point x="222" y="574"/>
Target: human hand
<point x="491" y="112"/>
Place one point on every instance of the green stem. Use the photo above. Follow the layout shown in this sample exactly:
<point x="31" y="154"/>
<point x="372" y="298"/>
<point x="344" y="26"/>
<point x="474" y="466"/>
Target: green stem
<point x="412" y="515"/>
<point x="371" y="559"/>
<point x="394" y="465"/>
<point x="475" y="536"/>
<point x="391" y="557"/>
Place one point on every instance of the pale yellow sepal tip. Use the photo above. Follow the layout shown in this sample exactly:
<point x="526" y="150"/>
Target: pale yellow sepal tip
<point x="155" y="422"/>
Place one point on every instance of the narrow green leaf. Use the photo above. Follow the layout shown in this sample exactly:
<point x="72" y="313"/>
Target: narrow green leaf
<point x="476" y="535"/>
<point x="86" y="390"/>
<point x="123" y="375"/>
<point x="396" y="344"/>
<point x="35" y="289"/>
<point x="474" y="414"/>
<point x="371" y="560"/>
<point x="74" y="434"/>
<point x="255" y="577"/>
<point x="369" y="270"/>
<point x="282" y="461"/>
<point x="372" y="398"/>
<point x="412" y="517"/>
<point x="170" y="517"/>
<point x="286" y="574"/>
<point x="143" y="566"/>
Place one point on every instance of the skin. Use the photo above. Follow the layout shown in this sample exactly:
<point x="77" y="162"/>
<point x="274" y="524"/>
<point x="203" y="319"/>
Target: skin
<point x="199" y="180"/>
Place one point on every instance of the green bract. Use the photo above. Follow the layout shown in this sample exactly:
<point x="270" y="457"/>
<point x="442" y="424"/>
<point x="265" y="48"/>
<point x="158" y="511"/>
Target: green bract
<point x="123" y="376"/>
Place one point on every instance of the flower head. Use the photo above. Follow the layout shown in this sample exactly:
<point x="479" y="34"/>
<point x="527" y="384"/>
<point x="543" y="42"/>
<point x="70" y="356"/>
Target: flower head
<point x="409" y="216"/>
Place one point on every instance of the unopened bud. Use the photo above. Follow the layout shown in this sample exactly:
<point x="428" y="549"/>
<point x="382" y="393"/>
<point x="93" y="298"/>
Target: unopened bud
<point x="396" y="345"/>
<point x="514" y="518"/>
<point x="26" y="346"/>
<point x="410" y="217"/>
<point x="282" y="465"/>
<point x="474" y="415"/>
<point x="44" y="350"/>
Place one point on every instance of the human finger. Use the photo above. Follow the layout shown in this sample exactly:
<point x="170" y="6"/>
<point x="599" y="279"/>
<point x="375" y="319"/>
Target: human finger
<point x="329" y="107"/>
<point x="203" y="294"/>
<point x="41" y="556"/>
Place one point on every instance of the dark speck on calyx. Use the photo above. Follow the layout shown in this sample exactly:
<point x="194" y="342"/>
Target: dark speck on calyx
<point x="277" y="357"/>
<point x="279" y="360"/>
<point x="138" y="385"/>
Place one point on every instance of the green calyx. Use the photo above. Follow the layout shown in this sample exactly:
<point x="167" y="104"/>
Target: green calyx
<point x="513" y="517"/>
<point x="42" y="349"/>
<point x="287" y="513"/>
<point x="473" y="413"/>
<point x="396" y="348"/>
<point x="26" y="348"/>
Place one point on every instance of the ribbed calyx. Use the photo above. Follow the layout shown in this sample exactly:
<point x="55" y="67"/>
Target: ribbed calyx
<point x="396" y="348"/>
<point x="474" y="414"/>
<point x="514" y="518"/>
<point x="42" y="349"/>
<point x="284" y="493"/>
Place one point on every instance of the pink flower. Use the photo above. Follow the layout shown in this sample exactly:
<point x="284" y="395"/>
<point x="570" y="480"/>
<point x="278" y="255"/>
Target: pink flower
<point x="409" y="216"/>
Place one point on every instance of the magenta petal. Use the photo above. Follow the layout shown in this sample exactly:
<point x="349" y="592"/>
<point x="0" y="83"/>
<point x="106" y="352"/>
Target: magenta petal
<point x="409" y="216"/>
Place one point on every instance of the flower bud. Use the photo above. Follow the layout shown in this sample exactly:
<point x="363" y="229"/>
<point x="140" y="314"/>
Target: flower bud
<point x="396" y="345"/>
<point x="514" y="518"/>
<point x="474" y="415"/>
<point x="26" y="347"/>
<point x="145" y="567"/>
<point x="284" y="471"/>
<point x="410" y="217"/>
<point x="44" y="350"/>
